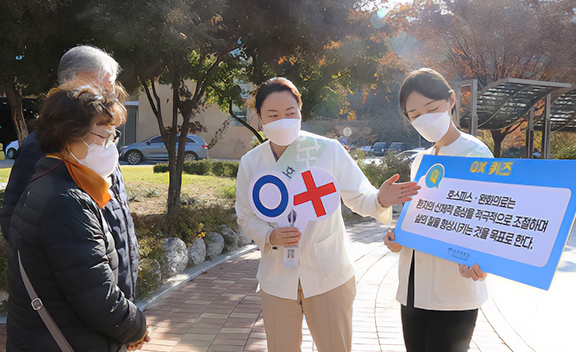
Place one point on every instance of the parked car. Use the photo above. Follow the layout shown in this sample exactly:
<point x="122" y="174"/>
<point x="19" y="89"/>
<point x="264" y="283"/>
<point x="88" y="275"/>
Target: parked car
<point x="410" y="154"/>
<point x="11" y="150"/>
<point x="153" y="149"/>
<point x="397" y="147"/>
<point x="378" y="148"/>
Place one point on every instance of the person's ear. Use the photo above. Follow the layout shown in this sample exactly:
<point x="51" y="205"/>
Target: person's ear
<point x="451" y="101"/>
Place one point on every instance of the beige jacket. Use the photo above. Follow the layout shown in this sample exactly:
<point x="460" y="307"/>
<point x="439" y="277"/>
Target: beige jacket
<point x="324" y="263"/>
<point x="438" y="284"/>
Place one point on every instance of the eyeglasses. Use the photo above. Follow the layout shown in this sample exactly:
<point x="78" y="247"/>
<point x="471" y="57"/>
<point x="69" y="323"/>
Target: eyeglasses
<point x="111" y="139"/>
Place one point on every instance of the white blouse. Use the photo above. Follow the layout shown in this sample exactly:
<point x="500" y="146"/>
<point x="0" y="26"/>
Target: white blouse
<point x="324" y="263"/>
<point x="438" y="284"/>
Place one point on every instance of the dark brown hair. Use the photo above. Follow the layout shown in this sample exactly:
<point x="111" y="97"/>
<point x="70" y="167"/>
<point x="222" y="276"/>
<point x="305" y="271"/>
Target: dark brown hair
<point x="71" y="109"/>
<point x="427" y="82"/>
<point x="276" y="85"/>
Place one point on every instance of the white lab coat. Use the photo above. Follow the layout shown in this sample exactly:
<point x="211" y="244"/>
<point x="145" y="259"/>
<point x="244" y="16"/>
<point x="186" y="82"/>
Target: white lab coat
<point x="323" y="259"/>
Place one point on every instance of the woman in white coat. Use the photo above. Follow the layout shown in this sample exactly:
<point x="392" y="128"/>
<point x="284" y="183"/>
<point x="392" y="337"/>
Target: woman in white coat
<point x="439" y="298"/>
<point x="319" y="284"/>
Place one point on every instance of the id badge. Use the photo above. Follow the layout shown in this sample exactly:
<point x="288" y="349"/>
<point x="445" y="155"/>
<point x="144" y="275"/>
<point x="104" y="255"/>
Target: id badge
<point x="291" y="257"/>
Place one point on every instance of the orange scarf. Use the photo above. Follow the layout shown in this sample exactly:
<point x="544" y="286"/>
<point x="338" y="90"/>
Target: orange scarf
<point x="88" y="180"/>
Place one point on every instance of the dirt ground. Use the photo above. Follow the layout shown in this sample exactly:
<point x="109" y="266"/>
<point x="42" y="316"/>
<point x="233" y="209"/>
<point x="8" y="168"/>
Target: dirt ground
<point x="152" y="199"/>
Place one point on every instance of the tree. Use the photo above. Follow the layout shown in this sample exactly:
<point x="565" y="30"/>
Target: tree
<point x="492" y="39"/>
<point x="211" y="43"/>
<point x="28" y="63"/>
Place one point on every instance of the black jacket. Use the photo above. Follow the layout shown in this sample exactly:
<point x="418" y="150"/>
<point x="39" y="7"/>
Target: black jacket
<point x="68" y="253"/>
<point x="116" y="212"/>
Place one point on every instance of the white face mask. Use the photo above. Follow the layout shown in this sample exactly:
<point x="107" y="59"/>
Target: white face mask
<point x="100" y="159"/>
<point x="432" y="126"/>
<point x="282" y="132"/>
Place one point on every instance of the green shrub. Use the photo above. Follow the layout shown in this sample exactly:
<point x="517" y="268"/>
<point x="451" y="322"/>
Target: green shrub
<point x="160" y="168"/>
<point x="228" y="192"/>
<point x="188" y="223"/>
<point x="149" y="277"/>
<point x="214" y="216"/>
<point x="200" y="167"/>
<point x="358" y="154"/>
<point x="150" y="246"/>
<point x="391" y="164"/>
<point x="223" y="168"/>
<point x="568" y="152"/>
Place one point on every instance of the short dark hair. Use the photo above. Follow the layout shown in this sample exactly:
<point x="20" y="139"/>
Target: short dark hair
<point x="276" y="85"/>
<point x="427" y="82"/>
<point x="70" y="110"/>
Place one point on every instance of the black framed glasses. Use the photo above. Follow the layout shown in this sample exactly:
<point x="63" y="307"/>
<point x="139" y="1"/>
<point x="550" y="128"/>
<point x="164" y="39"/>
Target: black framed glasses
<point x="112" y="138"/>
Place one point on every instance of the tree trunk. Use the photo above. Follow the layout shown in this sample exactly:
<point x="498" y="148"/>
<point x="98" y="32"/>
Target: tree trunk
<point x="17" y="111"/>
<point x="498" y="137"/>
<point x="174" y="187"/>
<point x="175" y="165"/>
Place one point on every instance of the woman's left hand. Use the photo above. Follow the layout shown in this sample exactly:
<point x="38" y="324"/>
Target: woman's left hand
<point x="136" y="345"/>
<point x="472" y="272"/>
<point x="393" y="193"/>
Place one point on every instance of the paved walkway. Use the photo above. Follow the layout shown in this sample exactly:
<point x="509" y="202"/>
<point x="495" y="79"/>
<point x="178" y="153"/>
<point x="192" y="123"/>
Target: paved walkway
<point x="220" y="311"/>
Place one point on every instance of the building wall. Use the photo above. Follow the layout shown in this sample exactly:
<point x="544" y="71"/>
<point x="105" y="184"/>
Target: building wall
<point x="234" y="143"/>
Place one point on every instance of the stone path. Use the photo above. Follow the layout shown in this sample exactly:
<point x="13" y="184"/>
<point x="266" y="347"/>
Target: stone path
<point x="219" y="311"/>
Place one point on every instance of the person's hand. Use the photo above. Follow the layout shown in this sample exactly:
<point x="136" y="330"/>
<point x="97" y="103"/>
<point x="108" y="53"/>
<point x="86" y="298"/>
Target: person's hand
<point x="389" y="238"/>
<point x="472" y="272"/>
<point x="136" y="345"/>
<point x="393" y="193"/>
<point x="285" y="236"/>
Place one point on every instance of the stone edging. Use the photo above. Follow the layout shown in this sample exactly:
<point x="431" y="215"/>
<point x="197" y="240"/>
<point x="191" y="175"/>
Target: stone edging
<point x="191" y="273"/>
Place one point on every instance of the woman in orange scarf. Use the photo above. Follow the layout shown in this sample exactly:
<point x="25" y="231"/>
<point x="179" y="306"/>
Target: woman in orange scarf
<point x="60" y="239"/>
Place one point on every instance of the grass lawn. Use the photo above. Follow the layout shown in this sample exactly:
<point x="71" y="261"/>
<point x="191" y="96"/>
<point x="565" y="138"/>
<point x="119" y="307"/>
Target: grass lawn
<point x="148" y="191"/>
<point x="4" y="174"/>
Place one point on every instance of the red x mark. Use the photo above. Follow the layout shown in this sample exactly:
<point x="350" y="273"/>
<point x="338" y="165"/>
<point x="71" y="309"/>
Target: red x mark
<point x="314" y="194"/>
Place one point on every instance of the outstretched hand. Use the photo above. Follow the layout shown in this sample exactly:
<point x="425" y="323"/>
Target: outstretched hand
<point x="394" y="193"/>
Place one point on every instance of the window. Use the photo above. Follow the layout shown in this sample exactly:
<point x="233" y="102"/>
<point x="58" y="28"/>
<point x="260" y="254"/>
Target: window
<point x="241" y="111"/>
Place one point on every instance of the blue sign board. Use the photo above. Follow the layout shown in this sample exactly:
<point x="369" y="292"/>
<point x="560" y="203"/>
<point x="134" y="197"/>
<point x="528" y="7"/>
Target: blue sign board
<point x="511" y="216"/>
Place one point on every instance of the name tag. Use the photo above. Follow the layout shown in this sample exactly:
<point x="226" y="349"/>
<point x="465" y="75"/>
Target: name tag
<point x="291" y="255"/>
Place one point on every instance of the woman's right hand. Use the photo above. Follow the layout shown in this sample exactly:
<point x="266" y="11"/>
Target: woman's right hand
<point x="285" y="236"/>
<point x="389" y="241"/>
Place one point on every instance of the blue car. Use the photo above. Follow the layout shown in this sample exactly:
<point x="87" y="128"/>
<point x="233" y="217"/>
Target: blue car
<point x="153" y="149"/>
<point x="378" y="148"/>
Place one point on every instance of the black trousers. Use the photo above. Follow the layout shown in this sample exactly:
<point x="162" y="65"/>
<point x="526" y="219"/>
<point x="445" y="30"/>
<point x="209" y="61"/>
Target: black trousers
<point x="435" y="330"/>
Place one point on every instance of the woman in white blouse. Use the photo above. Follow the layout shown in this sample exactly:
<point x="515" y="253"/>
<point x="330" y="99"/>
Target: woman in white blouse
<point x="439" y="298"/>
